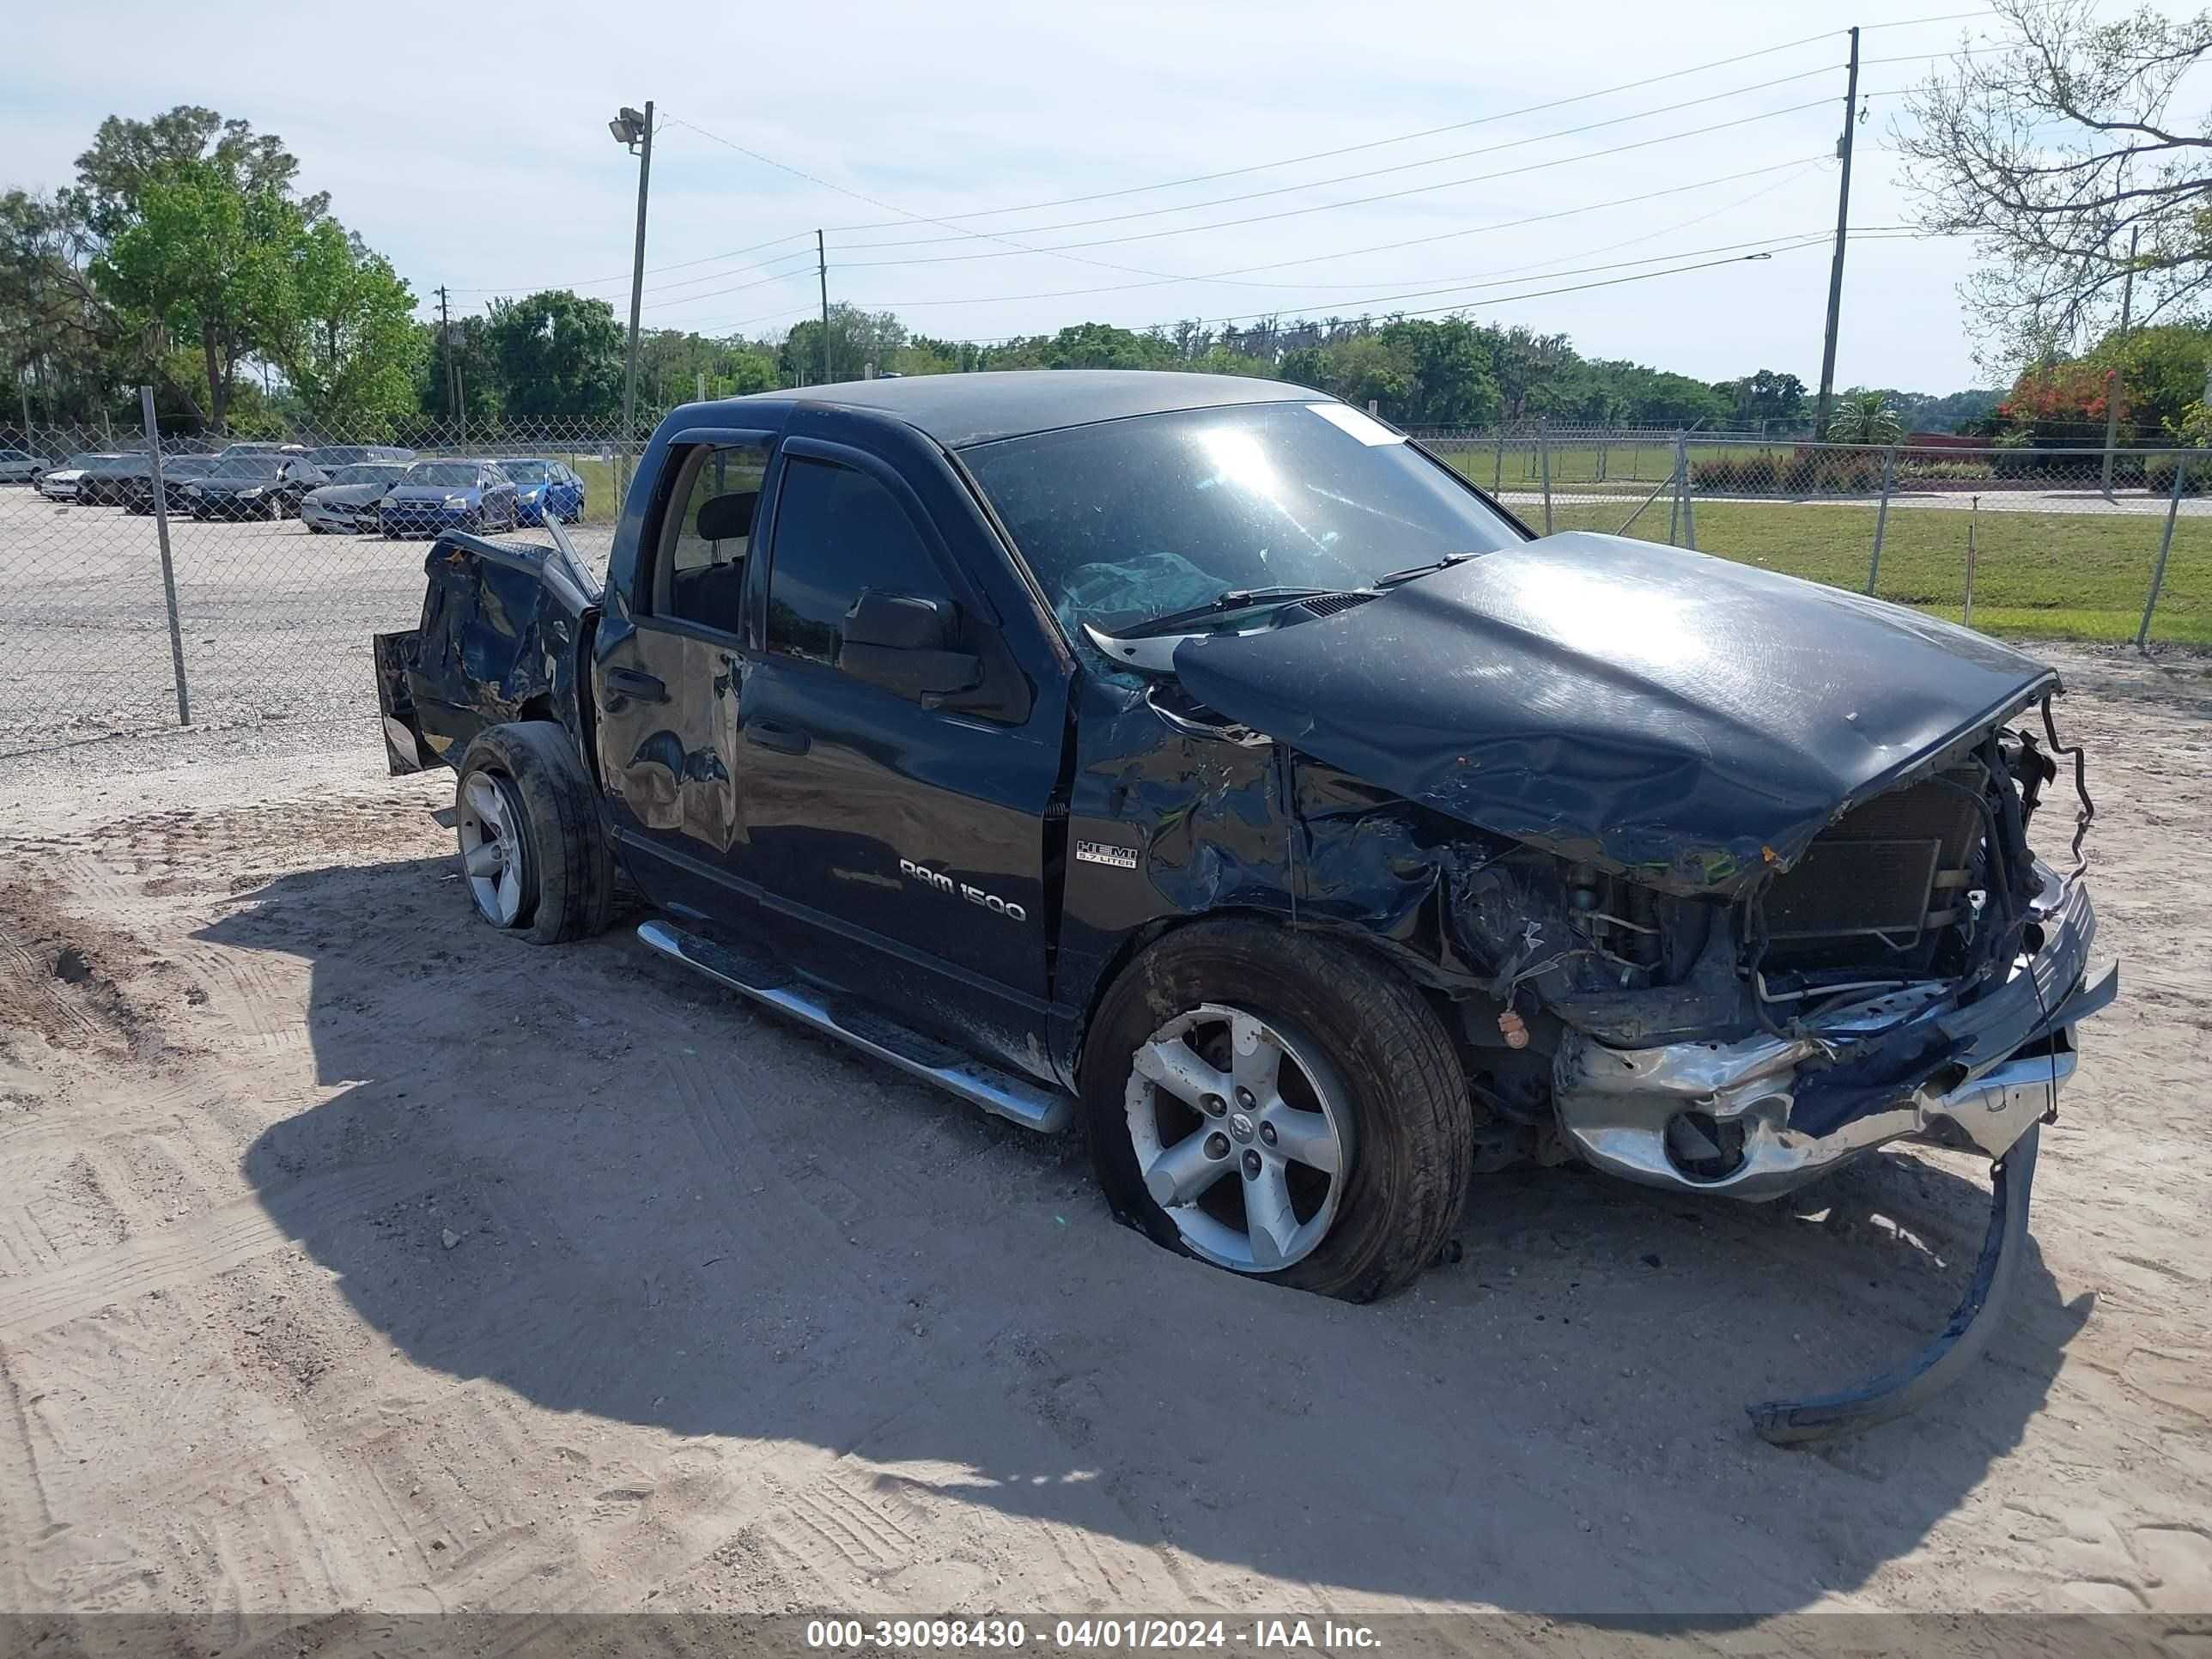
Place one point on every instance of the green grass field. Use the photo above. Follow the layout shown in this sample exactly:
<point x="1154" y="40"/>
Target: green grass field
<point x="602" y="504"/>
<point x="2040" y="575"/>
<point x="1626" y="467"/>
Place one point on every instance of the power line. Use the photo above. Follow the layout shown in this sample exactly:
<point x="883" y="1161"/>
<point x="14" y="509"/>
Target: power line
<point x="1372" y="143"/>
<point x="651" y="270"/>
<point x="1429" y="311"/>
<point x="1377" y="172"/>
<point x="858" y="196"/>
<point x="1797" y="164"/>
<point x="1459" y="285"/>
<point x="1360" y="201"/>
<point x="1795" y="169"/>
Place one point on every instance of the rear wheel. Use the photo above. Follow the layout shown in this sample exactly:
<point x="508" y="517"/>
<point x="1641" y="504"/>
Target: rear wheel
<point x="532" y="850"/>
<point x="1279" y="1107"/>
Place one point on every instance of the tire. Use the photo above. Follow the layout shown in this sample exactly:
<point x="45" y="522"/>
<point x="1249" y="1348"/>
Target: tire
<point x="522" y="790"/>
<point x="1354" y="1037"/>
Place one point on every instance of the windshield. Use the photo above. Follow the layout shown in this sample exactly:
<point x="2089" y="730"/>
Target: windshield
<point x="449" y="475"/>
<point x="527" y="473"/>
<point x="367" y="474"/>
<point x="79" y="462"/>
<point x="1127" y="519"/>
<point x="248" y="466"/>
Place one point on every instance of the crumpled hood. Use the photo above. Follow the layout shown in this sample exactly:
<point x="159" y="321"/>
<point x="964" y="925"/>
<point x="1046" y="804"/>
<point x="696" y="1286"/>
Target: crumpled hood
<point x="1688" y="720"/>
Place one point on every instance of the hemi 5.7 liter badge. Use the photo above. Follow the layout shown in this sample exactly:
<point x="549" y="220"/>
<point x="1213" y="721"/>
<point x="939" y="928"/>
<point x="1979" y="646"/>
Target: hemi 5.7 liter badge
<point x="1105" y="852"/>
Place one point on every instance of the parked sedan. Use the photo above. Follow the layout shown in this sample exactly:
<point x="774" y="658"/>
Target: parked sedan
<point x="60" y="484"/>
<point x="347" y="504"/>
<point x="545" y="490"/>
<point x="20" y="466"/>
<point x="437" y="496"/>
<point x="135" y="492"/>
<point x="253" y="486"/>
<point x="257" y="446"/>
<point x="109" y="480"/>
<point x="331" y="457"/>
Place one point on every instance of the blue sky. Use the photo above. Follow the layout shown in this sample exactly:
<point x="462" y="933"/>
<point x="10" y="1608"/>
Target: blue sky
<point x="471" y="145"/>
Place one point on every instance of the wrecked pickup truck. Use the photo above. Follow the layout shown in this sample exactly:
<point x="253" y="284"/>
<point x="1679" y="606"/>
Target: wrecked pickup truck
<point x="1200" y="761"/>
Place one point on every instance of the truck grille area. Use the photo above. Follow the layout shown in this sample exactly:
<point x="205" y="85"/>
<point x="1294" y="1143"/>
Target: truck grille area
<point x="1878" y="886"/>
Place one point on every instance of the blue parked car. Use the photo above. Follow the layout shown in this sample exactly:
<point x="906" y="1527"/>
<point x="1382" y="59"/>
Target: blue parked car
<point x="546" y="489"/>
<point x="434" y="496"/>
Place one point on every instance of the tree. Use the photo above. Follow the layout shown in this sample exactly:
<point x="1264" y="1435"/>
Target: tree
<point x="857" y="338"/>
<point x="351" y="344"/>
<point x="558" y="354"/>
<point x="1764" y="397"/>
<point x="2161" y="372"/>
<point x="2051" y="149"/>
<point x="127" y="157"/>
<point x="1865" y="417"/>
<point x="199" y="257"/>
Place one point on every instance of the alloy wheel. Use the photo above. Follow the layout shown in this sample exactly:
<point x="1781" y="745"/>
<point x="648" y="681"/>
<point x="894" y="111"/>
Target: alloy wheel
<point x="1242" y="1135"/>
<point x="492" y="853"/>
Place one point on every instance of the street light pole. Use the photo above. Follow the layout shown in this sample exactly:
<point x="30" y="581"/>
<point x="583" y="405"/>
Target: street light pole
<point x="634" y="131"/>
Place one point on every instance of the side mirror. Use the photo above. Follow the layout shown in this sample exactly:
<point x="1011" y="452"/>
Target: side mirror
<point x="904" y="644"/>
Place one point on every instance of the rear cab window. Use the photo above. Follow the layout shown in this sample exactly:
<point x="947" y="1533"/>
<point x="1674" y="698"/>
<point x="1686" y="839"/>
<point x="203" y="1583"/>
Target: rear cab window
<point x="706" y="535"/>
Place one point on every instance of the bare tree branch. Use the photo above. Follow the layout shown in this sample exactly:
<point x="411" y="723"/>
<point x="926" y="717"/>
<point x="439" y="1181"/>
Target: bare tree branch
<point x="2016" y="146"/>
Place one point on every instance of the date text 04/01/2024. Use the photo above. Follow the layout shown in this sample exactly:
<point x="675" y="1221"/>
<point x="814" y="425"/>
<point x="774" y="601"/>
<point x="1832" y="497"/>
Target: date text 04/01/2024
<point x="1082" y="1634"/>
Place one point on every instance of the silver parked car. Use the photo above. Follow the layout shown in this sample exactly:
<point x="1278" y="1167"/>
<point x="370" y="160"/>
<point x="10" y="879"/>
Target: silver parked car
<point x="347" y="503"/>
<point x="20" y="466"/>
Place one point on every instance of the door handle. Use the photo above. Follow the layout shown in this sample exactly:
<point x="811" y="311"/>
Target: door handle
<point x="646" y="688"/>
<point x="785" y="739"/>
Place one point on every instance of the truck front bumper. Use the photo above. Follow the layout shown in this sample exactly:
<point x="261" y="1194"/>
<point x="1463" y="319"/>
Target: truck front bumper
<point x="1727" y="1117"/>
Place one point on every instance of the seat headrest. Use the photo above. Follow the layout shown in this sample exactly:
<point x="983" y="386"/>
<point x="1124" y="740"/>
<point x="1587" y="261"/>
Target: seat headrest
<point x="728" y="517"/>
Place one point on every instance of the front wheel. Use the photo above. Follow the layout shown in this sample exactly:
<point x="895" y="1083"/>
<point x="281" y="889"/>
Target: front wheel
<point x="531" y="848"/>
<point x="1279" y="1107"/>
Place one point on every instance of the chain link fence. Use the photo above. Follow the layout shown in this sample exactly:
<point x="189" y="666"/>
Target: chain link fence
<point x="2051" y="544"/>
<point x="240" y="602"/>
<point x="250" y="595"/>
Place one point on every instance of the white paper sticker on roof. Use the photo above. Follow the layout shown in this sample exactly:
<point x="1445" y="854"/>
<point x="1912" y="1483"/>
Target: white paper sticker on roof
<point x="1361" y="425"/>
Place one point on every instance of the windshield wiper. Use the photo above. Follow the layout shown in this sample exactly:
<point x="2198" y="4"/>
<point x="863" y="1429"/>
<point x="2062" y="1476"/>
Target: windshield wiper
<point x="1392" y="578"/>
<point x="1234" y="599"/>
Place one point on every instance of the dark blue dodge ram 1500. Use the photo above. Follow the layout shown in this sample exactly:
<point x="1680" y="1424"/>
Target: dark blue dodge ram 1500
<point x="1200" y="761"/>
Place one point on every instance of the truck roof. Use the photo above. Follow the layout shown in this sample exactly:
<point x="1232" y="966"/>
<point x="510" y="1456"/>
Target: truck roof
<point x="959" y="410"/>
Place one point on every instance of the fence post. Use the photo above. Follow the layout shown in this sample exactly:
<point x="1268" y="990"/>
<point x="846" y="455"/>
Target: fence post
<point x="1544" y="457"/>
<point x="1973" y="517"/>
<point x="1497" y="473"/>
<point x="162" y="535"/>
<point x="1681" y="482"/>
<point x="1689" y="502"/>
<point x="1881" y="514"/>
<point x="2164" y="546"/>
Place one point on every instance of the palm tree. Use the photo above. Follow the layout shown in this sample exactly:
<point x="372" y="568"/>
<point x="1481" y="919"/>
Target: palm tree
<point x="1865" y="417"/>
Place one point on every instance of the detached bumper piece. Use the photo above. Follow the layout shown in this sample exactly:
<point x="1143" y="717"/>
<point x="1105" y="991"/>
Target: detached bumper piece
<point x="1758" y="1118"/>
<point x="1830" y="1416"/>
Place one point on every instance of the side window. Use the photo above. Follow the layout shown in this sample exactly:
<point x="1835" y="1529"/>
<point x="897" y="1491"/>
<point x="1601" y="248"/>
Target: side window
<point x="700" y="576"/>
<point x="838" y="531"/>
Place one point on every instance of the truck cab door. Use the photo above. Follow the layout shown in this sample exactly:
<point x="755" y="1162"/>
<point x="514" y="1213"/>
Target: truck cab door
<point x="669" y="654"/>
<point x="898" y="768"/>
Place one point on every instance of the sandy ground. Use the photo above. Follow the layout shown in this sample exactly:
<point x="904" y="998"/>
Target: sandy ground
<point x="352" y="1256"/>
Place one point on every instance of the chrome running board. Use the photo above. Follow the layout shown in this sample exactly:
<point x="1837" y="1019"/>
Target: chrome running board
<point x="1029" y="1104"/>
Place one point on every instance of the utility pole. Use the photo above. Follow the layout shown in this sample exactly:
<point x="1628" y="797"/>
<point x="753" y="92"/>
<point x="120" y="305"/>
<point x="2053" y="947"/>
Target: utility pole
<point x="639" y="131"/>
<point x="2112" y="374"/>
<point x="822" y="266"/>
<point x="1842" y="224"/>
<point x="446" y="343"/>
